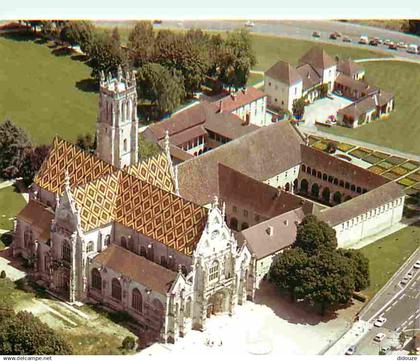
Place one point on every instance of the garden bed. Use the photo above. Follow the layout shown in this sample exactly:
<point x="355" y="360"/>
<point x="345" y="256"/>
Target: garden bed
<point x="384" y="164"/>
<point x="359" y="153"/>
<point x="344" y="147"/>
<point x="396" y="160"/>
<point x="377" y="169"/>
<point x="410" y="165"/>
<point x="372" y="159"/>
<point x="391" y="175"/>
<point x="406" y="182"/>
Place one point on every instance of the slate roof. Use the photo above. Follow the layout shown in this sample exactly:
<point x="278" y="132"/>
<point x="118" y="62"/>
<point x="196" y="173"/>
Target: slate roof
<point x="259" y="241"/>
<point x="284" y="72"/>
<point x="138" y="268"/>
<point x="361" y="204"/>
<point x="261" y="155"/>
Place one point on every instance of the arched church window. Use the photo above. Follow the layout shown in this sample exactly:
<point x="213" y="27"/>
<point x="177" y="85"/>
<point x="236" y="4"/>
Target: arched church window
<point x="66" y="251"/>
<point x="89" y="247"/>
<point x="137" y="300"/>
<point x="214" y="271"/>
<point x="27" y="237"/>
<point x="96" y="280"/>
<point x="116" y="289"/>
<point x="125" y="145"/>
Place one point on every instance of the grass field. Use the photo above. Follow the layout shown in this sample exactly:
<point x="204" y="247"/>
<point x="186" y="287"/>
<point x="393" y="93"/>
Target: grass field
<point x="41" y="92"/>
<point x="388" y="254"/>
<point x="402" y="130"/>
<point x="11" y="203"/>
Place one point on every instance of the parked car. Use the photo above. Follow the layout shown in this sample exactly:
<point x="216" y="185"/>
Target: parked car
<point x="410" y="275"/>
<point x="413" y="49"/>
<point x="364" y="40"/>
<point x="316" y="34"/>
<point x="387" y="42"/>
<point x="333" y="36"/>
<point x="405" y="280"/>
<point x="249" y="24"/>
<point x="380" y="321"/>
<point x="373" y="42"/>
<point x="157" y="22"/>
<point x="402" y="45"/>
<point x="379" y="41"/>
<point x="351" y="350"/>
<point x="393" y="46"/>
<point x="346" y="39"/>
<point x="379" y="337"/>
<point x="417" y="264"/>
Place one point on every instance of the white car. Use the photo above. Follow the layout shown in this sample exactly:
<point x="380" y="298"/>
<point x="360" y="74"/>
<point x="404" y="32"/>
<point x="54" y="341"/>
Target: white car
<point x="379" y="337"/>
<point x="417" y="265"/>
<point x="351" y="350"/>
<point x="364" y="40"/>
<point x="405" y="280"/>
<point x="380" y="321"/>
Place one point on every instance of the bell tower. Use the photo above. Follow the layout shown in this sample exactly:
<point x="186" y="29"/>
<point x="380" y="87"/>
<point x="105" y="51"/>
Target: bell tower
<point x="117" y="126"/>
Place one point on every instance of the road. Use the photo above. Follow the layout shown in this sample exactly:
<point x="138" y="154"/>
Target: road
<point x="399" y="304"/>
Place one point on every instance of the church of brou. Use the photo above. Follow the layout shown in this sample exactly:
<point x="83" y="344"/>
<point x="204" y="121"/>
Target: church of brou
<point x="172" y="245"/>
<point x="111" y="229"/>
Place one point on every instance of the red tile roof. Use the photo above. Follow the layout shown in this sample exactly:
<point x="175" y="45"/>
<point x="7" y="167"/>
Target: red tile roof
<point x="239" y="99"/>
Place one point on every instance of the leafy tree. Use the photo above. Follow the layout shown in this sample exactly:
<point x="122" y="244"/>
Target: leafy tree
<point x="163" y="88"/>
<point x="13" y="143"/>
<point x="313" y="235"/>
<point x="86" y="142"/>
<point x="34" y="157"/>
<point x="360" y="266"/>
<point x="128" y="343"/>
<point x="414" y="27"/>
<point x="147" y="148"/>
<point x="237" y="58"/>
<point x="78" y="33"/>
<point x="323" y="90"/>
<point x="25" y="334"/>
<point x="141" y="42"/>
<point x="105" y="53"/>
<point x="298" y="107"/>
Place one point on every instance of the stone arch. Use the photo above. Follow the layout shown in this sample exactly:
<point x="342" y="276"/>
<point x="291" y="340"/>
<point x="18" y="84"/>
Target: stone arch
<point x="314" y="172"/>
<point x="353" y="188"/>
<point x="315" y="190"/>
<point x="319" y="175"/>
<point x="308" y="170"/>
<point x="324" y="176"/>
<point x="123" y="242"/>
<point x="137" y="300"/>
<point x="218" y="302"/>
<point x="359" y="190"/>
<point x="287" y="187"/>
<point x="330" y="178"/>
<point x="116" y="290"/>
<point x="326" y="194"/>
<point x="96" y="279"/>
<point x="335" y="181"/>
<point x="303" y="168"/>
<point x="304" y="185"/>
<point x="234" y="223"/>
<point x="337" y="197"/>
<point x="295" y="184"/>
<point x="341" y="184"/>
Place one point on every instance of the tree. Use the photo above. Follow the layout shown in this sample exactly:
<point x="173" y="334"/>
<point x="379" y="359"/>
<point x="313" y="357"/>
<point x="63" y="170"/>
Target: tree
<point x="128" y="343"/>
<point x="13" y="143"/>
<point x="86" y="142"/>
<point x="78" y="33"/>
<point x="33" y="159"/>
<point x="313" y="235"/>
<point x="360" y="267"/>
<point x="141" y="41"/>
<point x="105" y="54"/>
<point x="116" y="35"/>
<point x="337" y="197"/>
<point x="298" y="108"/>
<point x="25" y="334"/>
<point x="236" y="59"/>
<point x="147" y="148"/>
<point x="323" y="90"/>
<point x="163" y="88"/>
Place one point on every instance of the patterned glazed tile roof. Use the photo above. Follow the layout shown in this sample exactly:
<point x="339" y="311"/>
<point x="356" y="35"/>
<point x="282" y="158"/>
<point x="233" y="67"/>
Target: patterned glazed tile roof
<point x="142" y="206"/>
<point x="82" y="167"/>
<point x="154" y="170"/>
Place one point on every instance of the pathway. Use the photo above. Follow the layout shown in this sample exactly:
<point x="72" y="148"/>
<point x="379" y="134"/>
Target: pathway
<point x="6" y="184"/>
<point x="397" y="58"/>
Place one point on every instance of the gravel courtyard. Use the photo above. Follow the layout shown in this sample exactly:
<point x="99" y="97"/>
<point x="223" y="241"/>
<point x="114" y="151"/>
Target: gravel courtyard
<point x="271" y="326"/>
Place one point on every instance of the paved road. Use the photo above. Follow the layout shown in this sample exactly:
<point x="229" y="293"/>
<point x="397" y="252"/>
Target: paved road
<point x="399" y="304"/>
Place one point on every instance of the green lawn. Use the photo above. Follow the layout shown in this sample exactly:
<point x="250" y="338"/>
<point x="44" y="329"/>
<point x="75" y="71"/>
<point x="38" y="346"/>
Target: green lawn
<point x="388" y="254"/>
<point x="11" y="203"/>
<point x="402" y="130"/>
<point x="39" y="91"/>
<point x="254" y="78"/>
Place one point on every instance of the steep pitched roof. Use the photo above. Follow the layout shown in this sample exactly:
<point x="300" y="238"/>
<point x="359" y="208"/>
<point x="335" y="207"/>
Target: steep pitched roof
<point x="242" y="97"/>
<point x="261" y="155"/>
<point x="318" y="58"/>
<point x="247" y="193"/>
<point x="361" y="204"/>
<point x="358" y="85"/>
<point x="39" y="217"/>
<point x="284" y="72"/>
<point x="349" y="67"/>
<point x="309" y="75"/>
<point x="144" y="207"/>
<point x="284" y="228"/>
<point x="136" y="267"/>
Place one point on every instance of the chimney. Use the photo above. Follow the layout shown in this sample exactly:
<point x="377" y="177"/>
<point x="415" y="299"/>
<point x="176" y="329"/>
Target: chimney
<point x="221" y="106"/>
<point x="270" y="230"/>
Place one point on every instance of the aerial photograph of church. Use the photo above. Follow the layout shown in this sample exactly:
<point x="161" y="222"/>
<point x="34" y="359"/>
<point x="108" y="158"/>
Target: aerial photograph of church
<point x="177" y="188"/>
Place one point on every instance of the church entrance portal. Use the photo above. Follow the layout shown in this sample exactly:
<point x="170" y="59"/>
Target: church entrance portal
<point x="218" y="303"/>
